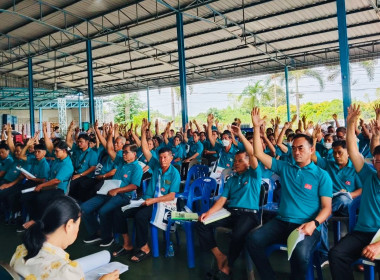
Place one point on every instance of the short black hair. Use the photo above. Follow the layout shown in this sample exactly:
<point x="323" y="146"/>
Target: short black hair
<point x="307" y="137"/>
<point x="4" y="146"/>
<point x="92" y="140"/>
<point x="228" y="133"/>
<point x="84" y="136"/>
<point x="340" y="143"/>
<point x="62" y="145"/>
<point x="196" y="133"/>
<point x="41" y="147"/>
<point x="341" y="129"/>
<point x="164" y="150"/>
<point x="132" y="147"/>
<point x="376" y="151"/>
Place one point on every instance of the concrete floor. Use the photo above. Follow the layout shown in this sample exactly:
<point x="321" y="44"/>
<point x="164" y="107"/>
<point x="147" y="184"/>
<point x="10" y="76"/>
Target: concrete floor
<point x="158" y="268"/>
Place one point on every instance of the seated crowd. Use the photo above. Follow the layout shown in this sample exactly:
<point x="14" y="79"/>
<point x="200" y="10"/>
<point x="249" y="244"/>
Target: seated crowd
<point x="320" y="171"/>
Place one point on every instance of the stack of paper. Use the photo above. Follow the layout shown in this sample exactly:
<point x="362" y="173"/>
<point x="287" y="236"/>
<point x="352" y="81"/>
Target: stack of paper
<point x="294" y="238"/>
<point x="133" y="204"/>
<point x="184" y="216"/>
<point x="109" y="185"/>
<point x="221" y="214"/>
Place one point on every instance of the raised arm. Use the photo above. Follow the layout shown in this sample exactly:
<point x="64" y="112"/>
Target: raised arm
<point x="69" y="135"/>
<point x="279" y="143"/>
<point x="377" y="111"/>
<point x="185" y="139"/>
<point x="23" y="133"/>
<point x="48" y="143"/>
<point x="277" y="122"/>
<point x="166" y="132"/>
<point x="10" y="142"/>
<point x="144" y="143"/>
<point x="210" y="120"/>
<point x="248" y="147"/>
<point x="335" y="117"/>
<point x="197" y="125"/>
<point x="100" y="137"/>
<point x="266" y="140"/>
<point x="352" y="147"/>
<point x="156" y="127"/>
<point x="316" y="132"/>
<point x="135" y="137"/>
<point x="109" y="146"/>
<point x="257" y="146"/>
<point x="375" y="140"/>
<point x="30" y="143"/>
<point x="294" y="118"/>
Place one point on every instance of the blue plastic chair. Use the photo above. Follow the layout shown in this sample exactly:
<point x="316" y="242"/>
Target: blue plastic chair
<point x="198" y="201"/>
<point x="195" y="172"/>
<point x="270" y="206"/>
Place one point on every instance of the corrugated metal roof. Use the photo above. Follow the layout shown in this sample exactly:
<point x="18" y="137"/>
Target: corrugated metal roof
<point x="135" y="42"/>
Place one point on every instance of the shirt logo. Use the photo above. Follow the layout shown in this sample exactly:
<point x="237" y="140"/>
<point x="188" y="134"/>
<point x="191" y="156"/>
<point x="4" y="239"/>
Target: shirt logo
<point x="125" y="175"/>
<point x="167" y="182"/>
<point x="307" y="186"/>
<point x="228" y="165"/>
<point x="348" y="183"/>
<point x="163" y="189"/>
<point x="245" y="183"/>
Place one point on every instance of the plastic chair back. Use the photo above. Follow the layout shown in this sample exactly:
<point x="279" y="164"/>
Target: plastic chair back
<point x="200" y="191"/>
<point x="223" y="178"/>
<point x="195" y="172"/>
<point x="352" y="213"/>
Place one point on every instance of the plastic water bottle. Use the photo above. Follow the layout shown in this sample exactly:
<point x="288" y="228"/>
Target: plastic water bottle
<point x="171" y="250"/>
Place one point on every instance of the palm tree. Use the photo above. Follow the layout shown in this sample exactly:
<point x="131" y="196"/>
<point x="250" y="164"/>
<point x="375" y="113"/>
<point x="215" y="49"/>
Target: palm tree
<point x="278" y="92"/>
<point x="368" y="66"/>
<point x="297" y="75"/>
<point x="255" y="94"/>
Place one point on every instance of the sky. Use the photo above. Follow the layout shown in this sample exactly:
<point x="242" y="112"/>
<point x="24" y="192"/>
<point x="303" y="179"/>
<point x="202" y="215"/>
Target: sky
<point x="218" y="94"/>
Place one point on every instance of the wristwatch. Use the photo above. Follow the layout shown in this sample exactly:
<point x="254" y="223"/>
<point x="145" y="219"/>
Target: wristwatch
<point x="81" y="174"/>
<point x="316" y="223"/>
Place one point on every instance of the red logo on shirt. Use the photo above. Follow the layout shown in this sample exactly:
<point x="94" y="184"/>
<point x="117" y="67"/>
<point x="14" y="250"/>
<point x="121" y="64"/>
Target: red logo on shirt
<point x="163" y="189"/>
<point x="245" y="183"/>
<point x="348" y="183"/>
<point x="125" y="175"/>
<point x="307" y="186"/>
<point x="228" y="165"/>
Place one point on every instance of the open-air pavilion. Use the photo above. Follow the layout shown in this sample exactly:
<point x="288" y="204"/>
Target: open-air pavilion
<point x="53" y="49"/>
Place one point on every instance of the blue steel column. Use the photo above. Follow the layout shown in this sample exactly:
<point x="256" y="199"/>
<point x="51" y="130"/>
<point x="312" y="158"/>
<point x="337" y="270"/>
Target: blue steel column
<point x="182" y="67"/>
<point x="90" y="82"/>
<point x="344" y="55"/>
<point x="40" y="118"/>
<point x="80" y="111"/>
<point x="147" y="101"/>
<point x="287" y="92"/>
<point x="31" y="96"/>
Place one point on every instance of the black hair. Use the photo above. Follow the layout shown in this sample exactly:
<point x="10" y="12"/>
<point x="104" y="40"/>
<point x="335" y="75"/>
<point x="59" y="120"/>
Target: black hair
<point x="92" y="140"/>
<point x="158" y="139"/>
<point x="228" y="133"/>
<point x="62" y="145"/>
<point x="340" y="143"/>
<point x="164" y="150"/>
<point x="40" y="147"/>
<point x="84" y="136"/>
<point x="291" y="135"/>
<point x="132" y="147"/>
<point x="196" y="133"/>
<point x="376" y="151"/>
<point x="341" y="129"/>
<point x="56" y="127"/>
<point x="4" y="146"/>
<point x="289" y="130"/>
<point x="307" y="137"/>
<point x="58" y="213"/>
<point x="21" y="145"/>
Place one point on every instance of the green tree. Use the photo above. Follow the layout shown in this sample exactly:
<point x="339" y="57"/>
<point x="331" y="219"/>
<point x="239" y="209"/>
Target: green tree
<point x="254" y="95"/>
<point x="127" y="105"/>
<point x="368" y="66"/>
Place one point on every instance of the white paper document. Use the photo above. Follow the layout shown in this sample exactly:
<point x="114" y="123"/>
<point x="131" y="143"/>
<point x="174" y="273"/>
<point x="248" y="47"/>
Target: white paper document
<point x="133" y="204"/>
<point x="28" y="190"/>
<point x="294" y="238"/>
<point x="109" y="185"/>
<point x="221" y="214"/>
<point x="375" y="239"/>
<point x="96" y="265"/>
<point x="25" y="172"/>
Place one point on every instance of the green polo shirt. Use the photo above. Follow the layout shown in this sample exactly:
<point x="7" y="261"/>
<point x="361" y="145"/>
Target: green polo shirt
<point x="301" y="189"/>
<point x="128" y="173"/>
<point x="369" y="211"/>
<point x="39" y="168"/>
<point x="343" y="179"/>
<point x="196" y="148"/>
<point x="83" y="160"/>
<point x="226" y="159"/>
<point x="243" y="190"/>
<point x="62" y="170"/>
<point x="6" y="163"/>
<point x="169" y="182"/>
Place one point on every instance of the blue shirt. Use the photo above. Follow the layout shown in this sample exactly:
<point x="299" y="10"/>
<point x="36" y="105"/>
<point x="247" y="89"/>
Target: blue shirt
<point x="343" y="179"/>
<point x="301" y="189"/>
<point x="169" y="182"/>
<point x="39" y="168"/>
<point x="369" y="211"/>
<point x="226" y="159"/>
<point x="364" y="146"/>
<point x="12" y="173"/>
<point x="6" y="163"/>
<point x="128" y="173"/>
<point x="207" y="146"/>
<point x="83" y="160"/>
<point x="178" y="152"/>
<point x="243" y="190"/>
<point x="324" y="152"/>
<point x="62" y="170"/>
<point x="196" y="148"/>
<point x="106" y="161"/>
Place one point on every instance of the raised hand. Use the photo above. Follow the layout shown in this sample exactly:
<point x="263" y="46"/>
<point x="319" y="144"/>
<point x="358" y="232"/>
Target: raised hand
<point x="335" y="117"/>
<point x="96" y="124"/>
<point x="287" y="125"/>
<point x="210" y="119"/>
<point x="316" y="131"/>
<point x="294" y="118"/>
<point x="277" y="121"/>
<point x="235" y="129"/>
<point x="255" y="117"/>
<point x="353" y="114"/>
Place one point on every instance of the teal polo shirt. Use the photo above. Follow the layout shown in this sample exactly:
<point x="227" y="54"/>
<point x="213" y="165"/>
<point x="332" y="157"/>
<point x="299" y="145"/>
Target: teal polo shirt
<point x="12" y="173"/>
<point x="325" y="153"/>
<point x="266" y="173"/>
<point x="6" y="163"/>
<point x="369" y="211"/>
<point x="226" y="159"/>
<point x="343" y="179"/>
<point x="178" y="152"/>
<point x="83" y="160"/>
<point x="196" y="148"/>
<point x="107" y="163"/>
<point x="128" y="173"/>
<point x="301" y="189"/>
<point x="62" y="170"/>
<point x="364" y="146"/>
<point x="39" y="168"/>
<point x="169" y="182"/>
<point x="243" y="190"/>
<point x="207" y="146"/>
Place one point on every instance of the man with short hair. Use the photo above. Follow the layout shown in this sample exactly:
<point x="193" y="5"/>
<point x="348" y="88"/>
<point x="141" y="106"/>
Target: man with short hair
<point x="356" y="244"/>
<point x="241" y="194"/>
<point x="306" y="192"/>
<point x="84" y="162"/>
